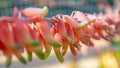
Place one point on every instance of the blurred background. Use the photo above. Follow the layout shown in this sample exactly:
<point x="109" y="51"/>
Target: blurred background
<point x="58" y="6"/>
<point x="103" y="55"/>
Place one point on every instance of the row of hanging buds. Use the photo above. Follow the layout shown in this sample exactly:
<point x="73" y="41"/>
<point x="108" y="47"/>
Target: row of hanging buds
<point x="37" y="34"/>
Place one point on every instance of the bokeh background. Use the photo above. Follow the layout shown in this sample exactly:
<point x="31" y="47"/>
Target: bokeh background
<point x="103" y="55"/>
<point x="57" y="6"/>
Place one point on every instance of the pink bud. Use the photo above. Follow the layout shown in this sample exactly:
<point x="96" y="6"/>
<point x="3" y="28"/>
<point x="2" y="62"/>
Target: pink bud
<point x="70" y="32"/>
<point x="73" y="23"/>
<point x="23" y="34"/>
<point x="68" y="19"/>
<point x="60" y="26"/>
<point x="46" y="31"/>
<point x="47" y="34"/>
<point x="32" y="12"/>
<point x="6" y="36"/>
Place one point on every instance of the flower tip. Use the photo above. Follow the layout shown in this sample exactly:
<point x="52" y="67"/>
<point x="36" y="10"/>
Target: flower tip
<point x="45" y="9"/>
<point x="8" y="62"/>
<point x="56" y="44"/>
<point x="29" y="55"/>
<point x="59" y="57"/>
<point x="40" y="54"/>
<point x="34" y="43"/>
<point x="83" y="24"/>
<point x="86" y="22"/>
<point x="22" y="59"/>
<point x="18" y="46"/>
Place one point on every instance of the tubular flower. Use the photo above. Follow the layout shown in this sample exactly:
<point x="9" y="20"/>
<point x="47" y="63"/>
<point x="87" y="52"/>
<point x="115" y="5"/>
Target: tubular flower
<point x="37" y="34"/>
<point x="57" y="51"/>
<point x="35" y="12"/>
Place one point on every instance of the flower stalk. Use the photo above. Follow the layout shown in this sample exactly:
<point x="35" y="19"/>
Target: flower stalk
<point x="35" y="35"/>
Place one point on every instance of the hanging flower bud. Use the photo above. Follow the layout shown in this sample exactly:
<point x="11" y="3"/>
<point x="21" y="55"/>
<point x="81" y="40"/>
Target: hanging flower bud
<point x="58" y="38"/>
<point x="72" y="22"/>
<point x="47" y="34"/>
<point x="59" y="25"/>
<point x="35" y="12"/>
<point x="24" y="35"/>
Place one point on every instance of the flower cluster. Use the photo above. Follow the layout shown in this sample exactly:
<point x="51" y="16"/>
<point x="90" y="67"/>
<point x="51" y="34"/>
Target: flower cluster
<point x="39" y="35"/>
